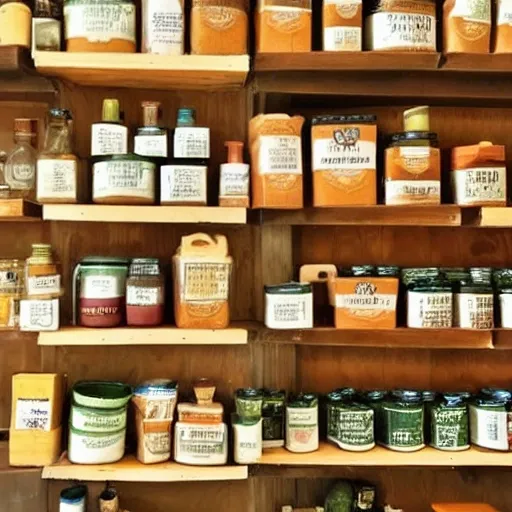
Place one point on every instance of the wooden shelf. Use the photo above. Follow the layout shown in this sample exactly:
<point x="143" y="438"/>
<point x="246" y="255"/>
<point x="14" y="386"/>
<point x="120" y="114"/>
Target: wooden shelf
<point x="380" y="215"/>
<point x="385" y="338"/>
<point x="479" y="62"/>
<point x="14" y="59"/>
<point x="146" y="214"/>
<point x="330" y="455"/>
<point x="131" y="470"/>
<point x="81" y="336"/>
<point x="145" y="71"/>
<point x="19" y="210"/>
<point x="502" y="339"/>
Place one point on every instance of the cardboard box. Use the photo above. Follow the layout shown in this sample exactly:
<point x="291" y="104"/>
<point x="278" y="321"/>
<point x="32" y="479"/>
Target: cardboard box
<point x="34" y="447"/>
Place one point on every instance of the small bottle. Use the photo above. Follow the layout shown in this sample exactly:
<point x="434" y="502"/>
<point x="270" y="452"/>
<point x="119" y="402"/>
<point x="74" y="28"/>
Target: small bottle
<point x="163" y="27"/>
<point x="151" y="140"/>
<point x="234" y="177"/>
<point x="20" y="166"/>
<point x="57" y="166"/>
<point x="15" y="19"/>
<point x="110" y="136"/>
<point x="46" y="25"/>
<point x="185" y="180"/>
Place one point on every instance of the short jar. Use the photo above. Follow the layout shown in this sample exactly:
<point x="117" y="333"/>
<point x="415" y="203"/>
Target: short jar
<point x="302" y="435"/>
<point x="449" y="424"/>
<point x="248" y="403"/>
<point x="289" y="306"/>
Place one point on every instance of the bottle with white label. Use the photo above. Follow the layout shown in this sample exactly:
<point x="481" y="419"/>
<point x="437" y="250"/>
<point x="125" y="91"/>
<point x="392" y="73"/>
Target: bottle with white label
<point x="57" y="166"/>
<point x="110" y="136"/>
<point x="184" y="181"/>
<point x="234" y="177"/>
<point x="151" y="140"/>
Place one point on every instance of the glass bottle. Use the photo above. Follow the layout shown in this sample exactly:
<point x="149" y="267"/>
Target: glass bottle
<point x="42" y="277"/>
<point x="110" y="136"/>
<point x="20" y="167"/>
<point x="151" y="140"/>
<point x="185" y="180"/>
<point x="57" y="166"/>
<point x="46" y="25"/>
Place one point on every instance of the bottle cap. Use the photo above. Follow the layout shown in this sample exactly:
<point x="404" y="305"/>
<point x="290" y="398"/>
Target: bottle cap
<point x="25" y="126"/>
<point x="186" y="117"/>
<point x="150" y="113"/>
<point x="235" y="151"/>
<point x="110" y="112"/>
<point x="417" y="119"/>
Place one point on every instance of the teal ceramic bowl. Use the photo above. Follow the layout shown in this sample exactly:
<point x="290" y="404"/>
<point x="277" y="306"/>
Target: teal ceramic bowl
<point x="101" y="394"/>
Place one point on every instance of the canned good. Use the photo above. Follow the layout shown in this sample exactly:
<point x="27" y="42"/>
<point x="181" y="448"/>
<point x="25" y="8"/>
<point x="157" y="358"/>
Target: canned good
<point x="302" y="423"/>
<point x="449" y="426"/>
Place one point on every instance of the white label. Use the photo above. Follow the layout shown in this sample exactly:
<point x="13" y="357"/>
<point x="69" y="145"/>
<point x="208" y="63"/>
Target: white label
<point x="480" y="185"/>
<point x="141" y="296"/>
<point x="488" y="429"/>
<point x="362" y="301"/>
<point x="124" y="178"/>
<point x="248" y="442"/>
<point x="56" y="179"/>
<point x="302" y="429"/>
<point x="205" y="282"/>
<point x="342" y="39"/>
<point x="200" y="444"/>
<point x="163" y="27"/>
<point x="101" y="287"/>
<point x="504" y="12"/>
<point x="289" y="311"/>
<point x="234" y="180"/>
<point x="183" y="183"/>
<point x="388" y="30"/>
<point x="43" y="285"/>
<point x="191" y="142"/>
<point x="413" y="191"/>
<point x="151" y="145"/>
<point x="33" y="414"/>
<point x="334" y="154"/>
<point x="429" y="310"/>
<point x="472" y="10"/>
<point x="280" y="154"/>
<point x="506" y="310"/>
<point x="109" y="139"/>
<point x="473" y="310"/>
<point x="213" y="433"/>
<point x="100" y="23"/>
<point x="39" y="315"/>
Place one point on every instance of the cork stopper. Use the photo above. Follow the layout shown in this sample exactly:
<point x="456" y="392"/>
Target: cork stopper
<point x="235" y="151"/>
<point x="204" y="389"/>
<point x="111" y="111"/>
<point x="417" y="119"/>
<point x="25" y="126"/>
<point x="150" y="113"/>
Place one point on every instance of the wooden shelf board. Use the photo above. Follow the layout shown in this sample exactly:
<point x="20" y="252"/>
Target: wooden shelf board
<point x="154" y="214"/>
<point x="131" y="470"/>
<point x="19" y="210"/>
<point x="479" y="62"/>
<point x="385" y="338"/>
<point x="14" y="59"/>
<point x="81" y="336"/>
<point x="340" y="61"/>
<point x="503" y="339"/>
<point x="146" y="71"/>
<point x="330" y="455"/>
<point x="444" y="215"/>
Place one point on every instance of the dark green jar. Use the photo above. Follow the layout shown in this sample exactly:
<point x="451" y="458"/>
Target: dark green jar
<point x="273" y="418"/>
<point x="402" y="421"/>
<point x="449" y="427"/>
<point x="429" y="398"/>
<point x="374" y="399"/>
<point x="248" y="403"/>
<point x="350" y="423"/>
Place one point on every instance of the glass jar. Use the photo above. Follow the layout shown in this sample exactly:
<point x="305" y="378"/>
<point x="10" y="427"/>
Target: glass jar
<point x="449" y="425"/>
<point x="12" y="278"/>
<point x="273" y="417"/>
<point x="302" y="423"/>
<point x="248" y="404"/>
<point x="145" y="293"/>
<point x="403" y="421"/>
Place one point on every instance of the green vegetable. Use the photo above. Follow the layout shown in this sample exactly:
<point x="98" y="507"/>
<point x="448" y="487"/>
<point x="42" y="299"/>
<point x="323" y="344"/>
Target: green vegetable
<point x="340" y="498"/>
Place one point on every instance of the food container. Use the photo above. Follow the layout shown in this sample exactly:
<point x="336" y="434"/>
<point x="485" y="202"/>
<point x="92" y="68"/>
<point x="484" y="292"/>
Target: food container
<point x="302" y="423"/>
<point x="273" y="418"/>
<point x="99" y="288"/>
<point x="12" y="281"/>
<point x="247" y="443"/>
<point x="349" y="422"/>
<point x="429" y="398"/>
<point x="479" y="175"/>
<point x="289" y="306"/>
<point x="344" y="154"/>
<point x="95" y="448"/>
<point x="490" y="419"/>
<point x="202" y="270"/>
<point x="342" y="25"/>
<point x="15" y="19"/>
<point x="450" y="422"/>
<point x="73" y="499"/>
<point x="248" y="403"/>
<point x="502" y="279"/>
<point x="88" y="419"/>
<point x="101" y="394"/>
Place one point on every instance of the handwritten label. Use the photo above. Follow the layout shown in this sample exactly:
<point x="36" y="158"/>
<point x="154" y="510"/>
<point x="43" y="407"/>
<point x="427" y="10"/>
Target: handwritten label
<point x="56" y="179"/>
<point x="280" y="154"/>
<point x="473" y="310"/>
<point x="101" y="287"/>
<point x="39" y="315"/>
<point x="413" y="191"/>
<point x="183" y="183"/>
<point x="289" y="311"/>
<point x="33" y="414"/>
<point x="163" y="27"/>
<point x="143" y="296"/>
<point x="205" y="282"/>
<point x="302" y="429"/>
<point x="429" y="310"/>
<point x="43" y="285"/>
<point x="234" y="180"/>
<point x="343" y="39"/>
<point x="480" y="185"/>
<point x="109" y="139"/>
<point x="191" y="142"/>
<point x="151" y="145"/>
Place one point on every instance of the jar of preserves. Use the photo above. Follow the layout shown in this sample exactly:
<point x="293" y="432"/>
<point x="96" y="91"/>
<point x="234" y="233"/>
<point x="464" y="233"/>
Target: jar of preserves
<point x="449" y="425"/>
<point x="12" y="279"/>
<point x="302" y="423"/>
<point x="145" y="293"/>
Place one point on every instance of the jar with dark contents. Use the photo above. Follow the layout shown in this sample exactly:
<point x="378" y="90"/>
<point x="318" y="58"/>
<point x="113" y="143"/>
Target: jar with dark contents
<point x="449" y="425"/>
<point x="145" y="293"/>
<point x="375" y="399"/>
<point x="429" y="399"/>
<point x="273" y="417"/>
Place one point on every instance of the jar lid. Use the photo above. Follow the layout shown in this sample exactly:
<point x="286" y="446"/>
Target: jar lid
<point x="388" y="271"/>
<point x="303" y="400"/>
<point x="407" y="395"/>
<point x="249" y="394"/>
<point x="145" y="267"/>
<point x="157" y="387"/>
<point x="456" y="399"/>
<point x="274" y="393"/>
<point x="291" y="288"/>
<point x="346" y="119"/>
<point x="428" y="396"/>
<point x="104" y="260"/>
<point x="374" y="395"/>
<point x="363" y="270"/>
<point x="496" y="395"/>
<point x="406" y="136"/>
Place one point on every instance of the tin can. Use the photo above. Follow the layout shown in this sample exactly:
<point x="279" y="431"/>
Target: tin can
<point x="449" y="425"/>
<point x="302" y="423"/>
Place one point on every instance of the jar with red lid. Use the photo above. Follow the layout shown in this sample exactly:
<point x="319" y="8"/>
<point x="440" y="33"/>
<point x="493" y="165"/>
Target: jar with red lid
<point x="145" y="292"/>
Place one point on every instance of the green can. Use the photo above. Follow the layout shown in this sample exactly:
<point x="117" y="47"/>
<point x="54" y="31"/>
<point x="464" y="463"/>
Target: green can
<point x="449" y="426"/>
<point x="273" y="418"/>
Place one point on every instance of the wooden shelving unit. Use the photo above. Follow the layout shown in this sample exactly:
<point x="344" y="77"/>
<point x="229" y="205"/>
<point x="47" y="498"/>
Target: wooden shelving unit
<point x="145" y="214"/>
<point x="145" y="71"/>
<point x="19" y="210"/>
<point x="131" y="470"/>
<point x="479" y="62"/>
<point x="490" y="217"/>
<point x="83" y="336"/>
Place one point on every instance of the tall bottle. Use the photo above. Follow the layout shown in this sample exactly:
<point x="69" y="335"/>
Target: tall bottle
<point x="184" y="181"/>
<point x="46" y="25"/>
<point x="57" y="166"/>
<point x="151" y="140"/>
<point x="20" y="166"/>
<point x="234" y="177"/>
<point x="110" y="136"/>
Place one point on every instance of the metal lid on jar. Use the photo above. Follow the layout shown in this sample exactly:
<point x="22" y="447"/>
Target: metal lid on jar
<point x="345" y="119"/>
<point x="388" y="271"/>
<point x="363" y="270"/>
<point x="407" y="395"/>
<point x="429" y="396"/>
<point x="374" y="395"/>
<point x="104" y="260"/>
<point x="413" y="136"/>
<point x="456" y="399"/>
<point x="157" y="387"/>
<point x="291" y="288"/>
<point x="274" y="393"/>
<point x="303" y="400"/>
<point x="144" y="267"/>
<point x="249" y="393"/>
<point x="494" y="395"/>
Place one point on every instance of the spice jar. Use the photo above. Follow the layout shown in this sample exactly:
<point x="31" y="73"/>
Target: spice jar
<point x="342" y="25"/>
<point x="247" y="440"/>
<point x="503" y="283"/>
<point x="273" y="417"/>
<point x="349" y="422"/>
<point x="401" y="423"/>
<point x="12" y="280"/>
<point x="490" y="419"/>
<point x="248" y="404"/>
<point x="479" y="175"/>
<point x="400" y="25"/>
<point x="344" y="154"/>
<point x="100" y="26"/>
<point x="289" y="306"/>
<point x="99" y="288"/>
<point x="450" y="422"/>
<point x="302" y="423"/>
<point x="145" y="293"/>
